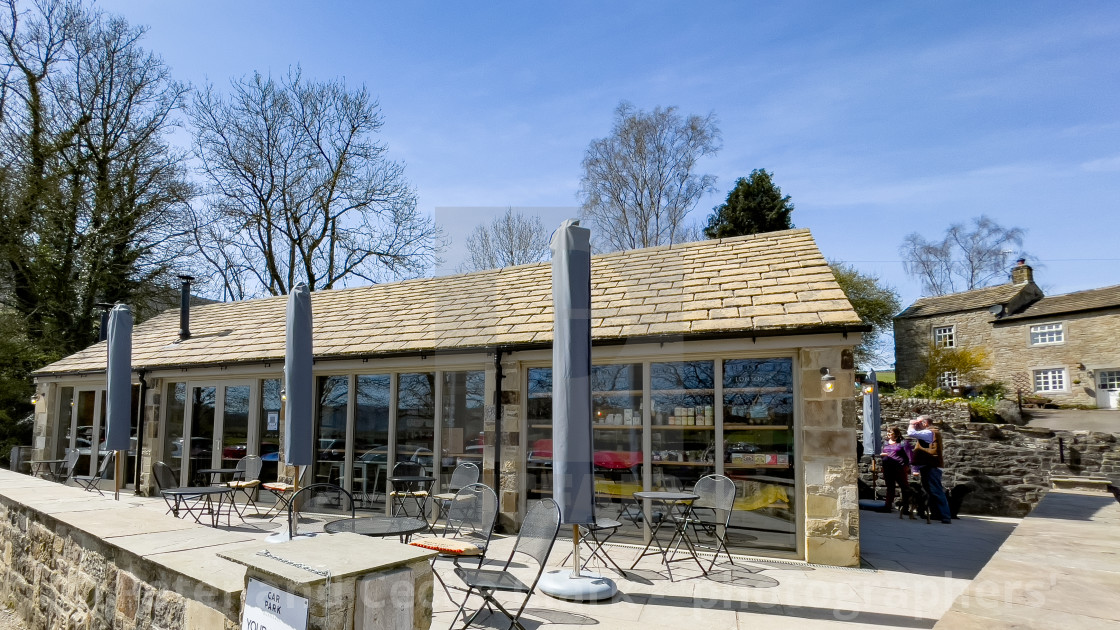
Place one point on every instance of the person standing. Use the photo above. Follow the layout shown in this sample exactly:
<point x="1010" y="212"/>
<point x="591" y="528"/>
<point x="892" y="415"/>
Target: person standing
<point x="929" y="458"/>
<point x="896" y="469"/>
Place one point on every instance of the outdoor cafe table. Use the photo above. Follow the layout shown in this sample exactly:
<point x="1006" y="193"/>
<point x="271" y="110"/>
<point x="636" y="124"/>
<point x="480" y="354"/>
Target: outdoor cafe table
<point x="189" y="499"/>
<point x="415" y="487"/>
<point x="39" y="467"/>
<point x="678" y="507"/>
<point x="403" y="526"/>
<point x="232" y="473"/>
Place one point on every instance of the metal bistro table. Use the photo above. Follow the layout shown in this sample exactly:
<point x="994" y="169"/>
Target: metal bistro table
<point x="199" y="500"/>
<point x="415" y="487"/>
<point x="678" y="506"/>
<point x="403" y="526"/>
<point x="42" y="467"/>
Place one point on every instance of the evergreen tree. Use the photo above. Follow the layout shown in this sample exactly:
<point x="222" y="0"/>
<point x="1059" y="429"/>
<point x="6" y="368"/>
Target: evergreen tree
<point x="753" y="206"/>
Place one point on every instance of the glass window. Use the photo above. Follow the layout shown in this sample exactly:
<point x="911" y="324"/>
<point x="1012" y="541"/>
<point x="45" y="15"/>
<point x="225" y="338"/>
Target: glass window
<point x="1045" y="334"/>
<point x="683" y="417"/>
<point x="945" y="337"/>
<point x="539" y="415"/>
<point x="173" y="429"/>
<point x="235" y="425"/>
<point x="200" y="452"/>
<point x="616" y="396"/>
<point x="758" y="451"/>
<point x="464" y="402"/>
<point x="949" y="378"/>
<point x="330" y="449"/>
<point x="269" y="431"/>
<point x="1050" y="380"/>
<point x="65" y="415"/>
<point x="1109" y="380"/>
<point x="371" y="435"/>
<point x="416" y="419"/>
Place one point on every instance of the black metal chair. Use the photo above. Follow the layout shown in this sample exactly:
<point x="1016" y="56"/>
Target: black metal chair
<point x="316" y="505"/>
<point x="166" y="479"/>
<point x="464" y="475"/>
<point x="69" y="466"/>
<point x="711" y="512"/>
<point x="601" y="526"/>
<point x="247" y="484"/>
<point x="535" y="540"/>
<point x="471" y="515"/>
<point x="403" y="491"/>
<point x="93" y="482"/>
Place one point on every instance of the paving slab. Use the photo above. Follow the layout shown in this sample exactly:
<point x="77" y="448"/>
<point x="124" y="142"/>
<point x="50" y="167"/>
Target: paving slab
<point x="125" y="521"/>
<point x="196" y="538"/>
<point x="208" y="567"/>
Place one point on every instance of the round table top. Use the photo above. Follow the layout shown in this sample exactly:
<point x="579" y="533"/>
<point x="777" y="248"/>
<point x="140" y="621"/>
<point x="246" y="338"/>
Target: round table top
<point x="47" y="461"/>
<point x="377" y="525"/>
<point x="197" y="490"/>
<point x="218" y="471"/>
<point x="410" y="478"/>
<point x="667" y="496"/>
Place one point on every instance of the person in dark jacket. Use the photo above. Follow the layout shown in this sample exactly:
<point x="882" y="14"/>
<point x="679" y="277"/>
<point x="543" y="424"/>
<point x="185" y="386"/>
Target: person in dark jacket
<point x="929" y="459"/>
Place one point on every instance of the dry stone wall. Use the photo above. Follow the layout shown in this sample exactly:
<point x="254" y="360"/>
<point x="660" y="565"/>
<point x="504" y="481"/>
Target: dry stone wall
<point x="1001" y="469"/>
<point x="58" y="577"/>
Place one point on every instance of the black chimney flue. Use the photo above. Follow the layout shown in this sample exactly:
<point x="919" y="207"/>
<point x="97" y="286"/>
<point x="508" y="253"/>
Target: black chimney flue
<point x="105" y="308"/>
<point x="185" y="308"/>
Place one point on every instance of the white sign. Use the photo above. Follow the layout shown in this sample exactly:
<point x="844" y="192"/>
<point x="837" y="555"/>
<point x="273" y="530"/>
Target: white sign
<point x="273" y="421"/>
<point x="269" y="608"/>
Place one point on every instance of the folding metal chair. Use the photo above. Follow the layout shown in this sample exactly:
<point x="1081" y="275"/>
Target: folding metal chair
<point x="595" y="546"/>
<point x="471" y="515"/>
<point x="464" y="475"/>
<point x="415" y="491"/>
<point x="67" y="469"/>
<point x="282" y="490"/>
<point x="315" y="506"/>
<point x="716" y="497"/>
<point x="535" y="540"/>
<point x="250" y="467"/>
<point x="92" y="482"/>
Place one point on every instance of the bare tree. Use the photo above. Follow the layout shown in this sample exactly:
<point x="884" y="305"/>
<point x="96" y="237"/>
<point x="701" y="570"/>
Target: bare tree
<point x="511" y="239"/>
<point x="301" y="190"/>
<point x="968" y="257"/>
<point x="639" y="183"/>
<point x="94" y="197"/>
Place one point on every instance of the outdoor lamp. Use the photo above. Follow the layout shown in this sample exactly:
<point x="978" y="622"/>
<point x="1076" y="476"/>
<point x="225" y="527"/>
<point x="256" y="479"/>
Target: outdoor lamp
<point x="828" y="381"/>
<point x="868" y="388"/>
<point x="35" y="398"/>
<point x="283" y="395"/>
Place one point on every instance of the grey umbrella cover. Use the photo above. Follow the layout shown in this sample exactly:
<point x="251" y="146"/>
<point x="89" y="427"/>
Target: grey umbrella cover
<point x="573" y="481"/>
<point x="118" y="377"/>
<point x="299" y="384"/>
<point x="872" y="419"/>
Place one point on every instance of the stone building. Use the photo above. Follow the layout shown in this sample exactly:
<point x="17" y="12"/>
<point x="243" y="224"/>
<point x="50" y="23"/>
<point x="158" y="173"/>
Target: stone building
<point x="708" y="358"/>
<point x="1063" y="347"/>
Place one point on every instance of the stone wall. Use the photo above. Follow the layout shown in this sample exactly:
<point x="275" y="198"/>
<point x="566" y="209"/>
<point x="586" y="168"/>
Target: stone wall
<point x="56" y="576"/>
<point x="1006" y="468"/>
<point x="828" y="444"/>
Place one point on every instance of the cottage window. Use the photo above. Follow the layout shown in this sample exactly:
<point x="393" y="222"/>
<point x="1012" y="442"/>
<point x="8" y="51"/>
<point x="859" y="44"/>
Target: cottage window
<point x="945" y="337"/>
<point x="1050" y="380"/>
<point x="949" y="378"/>
<point x="1046" y="334"/>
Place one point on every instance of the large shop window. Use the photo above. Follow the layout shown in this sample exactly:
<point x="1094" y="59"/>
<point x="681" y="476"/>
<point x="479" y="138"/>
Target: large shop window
<point x="758" y="451"/>
<point x="269" y="429"/>
<point x="462" y="439"/>
<point x="173" y="435"/>
<point x="371" y="436"/>
<point x="334" y="397"/>
<point x="683" y="419"/>
<point x="416" y="419"/>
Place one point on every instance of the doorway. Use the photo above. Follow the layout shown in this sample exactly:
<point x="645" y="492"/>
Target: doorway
<point x="211" y="429"/>
<point x="1108" y="389"/>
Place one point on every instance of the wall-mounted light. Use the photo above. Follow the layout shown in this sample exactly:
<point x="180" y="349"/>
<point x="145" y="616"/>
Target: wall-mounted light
<point x="1081" y="366"/>
<point x="283" y="395"/>
<point x="868" y="388"/>
<point x="828" y="381"/>
<point x="35" y="398"/>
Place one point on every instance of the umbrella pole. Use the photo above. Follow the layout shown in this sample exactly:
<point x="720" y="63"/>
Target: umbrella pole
<point x="575" y="551"/>
<point x="117" y="477"/>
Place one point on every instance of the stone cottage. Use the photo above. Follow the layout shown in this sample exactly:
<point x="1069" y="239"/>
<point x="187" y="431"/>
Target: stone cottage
<point x="709" y="357"/>
<point x="1062" y="347"/>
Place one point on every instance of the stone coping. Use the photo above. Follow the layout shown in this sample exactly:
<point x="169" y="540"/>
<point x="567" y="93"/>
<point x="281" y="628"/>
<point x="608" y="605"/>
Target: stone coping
<point x="342" y="555"/>
<point x="131" y="526"/>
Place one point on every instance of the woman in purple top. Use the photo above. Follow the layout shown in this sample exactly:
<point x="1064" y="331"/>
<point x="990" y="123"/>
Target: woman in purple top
<point x="896" y="468"/>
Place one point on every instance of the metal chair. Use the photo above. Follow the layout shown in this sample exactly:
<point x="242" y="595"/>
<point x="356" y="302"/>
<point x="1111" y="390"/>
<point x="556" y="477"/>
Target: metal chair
<point x="409" y="490"/>
<point x="471" y="515"/>
<point x="250" y="480"/>
<point x="608" y="525"/>
<point x="93" y="482"/>
<point x="166" y="479"/>
<point x="282" y="490"/>
<point x="464" y="475"/>
<point x="535" y="540"/>
<point x="716" y="498"/>
<point x="318" y="504"/>
<point x="68" y="467"/>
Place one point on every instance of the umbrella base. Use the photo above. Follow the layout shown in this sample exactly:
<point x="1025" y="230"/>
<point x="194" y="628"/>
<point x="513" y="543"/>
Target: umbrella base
<point x="588" y="587"/>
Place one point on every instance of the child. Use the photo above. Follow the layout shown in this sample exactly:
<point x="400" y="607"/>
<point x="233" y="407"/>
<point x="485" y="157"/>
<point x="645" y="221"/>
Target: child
<point x="896" y="468"/>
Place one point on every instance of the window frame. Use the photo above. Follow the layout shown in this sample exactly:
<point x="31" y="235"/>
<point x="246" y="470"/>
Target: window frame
<point x="949" y="379"/>
<point x="950" y="337"/>
<point x="1063" y="372"/>
<point x="1048" y="328"/>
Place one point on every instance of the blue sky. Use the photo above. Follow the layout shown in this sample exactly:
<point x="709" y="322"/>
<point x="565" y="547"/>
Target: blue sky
<point x="878" y="118"/>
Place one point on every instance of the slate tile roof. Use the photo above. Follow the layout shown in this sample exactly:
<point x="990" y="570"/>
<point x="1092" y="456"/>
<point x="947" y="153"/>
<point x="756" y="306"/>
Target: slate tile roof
<point x="964" y="301"/>
<point x="1079" y="301"/>
<point x="761" y="283"/>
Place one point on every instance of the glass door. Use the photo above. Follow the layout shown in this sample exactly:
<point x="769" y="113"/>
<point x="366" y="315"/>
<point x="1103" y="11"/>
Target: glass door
<point x="233" y="425"/>
<point x="198" y="446"/>
<point x="84" y="424"/>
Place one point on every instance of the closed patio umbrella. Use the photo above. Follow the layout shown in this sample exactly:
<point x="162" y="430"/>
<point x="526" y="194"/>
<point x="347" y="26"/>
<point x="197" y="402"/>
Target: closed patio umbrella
<point x="118" y="387"/>
<point x="872" y="418"/>
<point x="299" y="384"/>
<point x="573" y="473"/>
